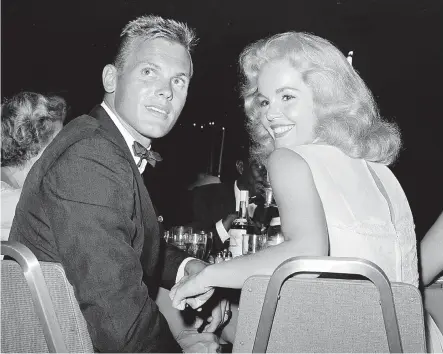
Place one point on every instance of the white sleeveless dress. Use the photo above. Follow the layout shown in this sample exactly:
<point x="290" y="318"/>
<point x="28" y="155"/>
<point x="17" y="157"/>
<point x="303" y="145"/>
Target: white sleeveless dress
<point x="359" y="216"/>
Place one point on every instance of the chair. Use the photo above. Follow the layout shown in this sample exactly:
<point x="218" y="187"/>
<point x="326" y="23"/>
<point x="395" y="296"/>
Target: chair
<point x="38" y="307"/>
<point x="329" y="315"/>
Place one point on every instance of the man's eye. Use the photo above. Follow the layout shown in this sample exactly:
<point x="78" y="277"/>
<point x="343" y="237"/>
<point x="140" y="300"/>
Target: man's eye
<point x="287" y="97"/>
<point x="178" y="82"/>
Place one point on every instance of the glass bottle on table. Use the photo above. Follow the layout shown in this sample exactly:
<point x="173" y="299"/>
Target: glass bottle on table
<point x="274" y="233"/>
<point x="239" y="226"/>
<point x="272" y="226"/>
<point x="270" y="207"/>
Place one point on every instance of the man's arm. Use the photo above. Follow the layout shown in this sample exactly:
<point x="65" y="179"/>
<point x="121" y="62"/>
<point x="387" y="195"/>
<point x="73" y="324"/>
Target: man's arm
<point x="90" y="207"/>
<point x="172" y="262"/>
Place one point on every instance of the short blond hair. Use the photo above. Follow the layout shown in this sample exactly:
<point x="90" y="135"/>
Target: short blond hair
<point x="151" y="27"/>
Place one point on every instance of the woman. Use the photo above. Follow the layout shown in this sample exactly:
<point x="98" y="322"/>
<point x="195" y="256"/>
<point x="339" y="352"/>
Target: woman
<point x="315" y="124"/>
<point x="29" y="123"/>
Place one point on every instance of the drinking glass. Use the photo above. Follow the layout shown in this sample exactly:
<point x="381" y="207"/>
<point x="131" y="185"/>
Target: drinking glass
<point x="253" y="243"/>
<point x="196" y="243"/>
<point x="209" y="243"/>
<point x="180" y="235"/>
<point x="167" y="236"/>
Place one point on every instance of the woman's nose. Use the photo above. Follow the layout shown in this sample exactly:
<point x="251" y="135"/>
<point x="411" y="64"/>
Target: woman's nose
<point x="272" y="114"/>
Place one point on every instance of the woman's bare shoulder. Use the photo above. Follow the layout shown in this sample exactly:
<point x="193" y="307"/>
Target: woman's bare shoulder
<point x="285" y="160"/>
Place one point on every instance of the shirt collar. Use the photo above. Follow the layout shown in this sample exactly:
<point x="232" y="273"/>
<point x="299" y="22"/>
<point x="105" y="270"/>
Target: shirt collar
<point x="126" y="135"/>
<point x="237" y="196"/>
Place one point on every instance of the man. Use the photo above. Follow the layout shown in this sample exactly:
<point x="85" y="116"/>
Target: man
<point x="84" y="203"/>
<point x="216" y="205"/>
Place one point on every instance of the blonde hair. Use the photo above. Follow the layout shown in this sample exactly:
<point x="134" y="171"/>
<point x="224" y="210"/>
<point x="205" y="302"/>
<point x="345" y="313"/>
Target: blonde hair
<point x="151" y="27"/>
<point x="29" y="121"/>
<point x="348" y="117"/>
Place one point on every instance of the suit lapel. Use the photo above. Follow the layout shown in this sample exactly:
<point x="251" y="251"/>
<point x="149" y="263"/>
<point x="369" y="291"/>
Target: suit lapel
<point x="149" y="219"/>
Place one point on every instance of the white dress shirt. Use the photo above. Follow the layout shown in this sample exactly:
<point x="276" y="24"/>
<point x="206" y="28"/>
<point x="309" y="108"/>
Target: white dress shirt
<point x="222" y="233"/>
<point x="130" y="141"/>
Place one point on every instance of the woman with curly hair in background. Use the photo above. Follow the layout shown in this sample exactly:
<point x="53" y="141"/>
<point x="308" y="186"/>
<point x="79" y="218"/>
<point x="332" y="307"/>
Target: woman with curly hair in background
<point x="29" y="123"/>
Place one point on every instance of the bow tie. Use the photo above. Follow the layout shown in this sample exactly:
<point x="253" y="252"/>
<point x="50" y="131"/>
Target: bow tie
<point x="150" y="156"/>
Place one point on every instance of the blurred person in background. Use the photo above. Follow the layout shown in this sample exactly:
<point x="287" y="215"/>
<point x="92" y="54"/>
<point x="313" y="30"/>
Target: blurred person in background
<point x="431" y="252"/>
<point x="431" y="262"/>
<point x="214" y="206"/>
<point x="29" y="123"/>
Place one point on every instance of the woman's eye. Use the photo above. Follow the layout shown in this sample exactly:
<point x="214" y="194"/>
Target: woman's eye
<point x="147" y="71"/>
<point x="263" y="103"/>
<point x="287" y="97"/>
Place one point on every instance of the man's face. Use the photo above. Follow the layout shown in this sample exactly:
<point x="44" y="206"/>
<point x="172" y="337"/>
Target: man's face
<point x="254" y="176"/>
<point x="151" y="88"/>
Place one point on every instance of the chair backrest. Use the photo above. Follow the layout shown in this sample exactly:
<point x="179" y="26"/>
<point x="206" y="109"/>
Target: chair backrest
<point x="329" y="315"/>
<point x="38" y="307"/>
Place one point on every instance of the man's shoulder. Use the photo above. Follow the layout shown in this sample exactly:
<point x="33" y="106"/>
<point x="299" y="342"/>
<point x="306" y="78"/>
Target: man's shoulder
<point x="81" y="142"/>
<point x="215" y="190"/>
<point x="84" y="132"/>
<point x="81" y="127"/>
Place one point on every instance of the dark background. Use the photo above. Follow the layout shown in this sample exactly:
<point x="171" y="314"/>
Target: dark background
<point x="61" y="46"/>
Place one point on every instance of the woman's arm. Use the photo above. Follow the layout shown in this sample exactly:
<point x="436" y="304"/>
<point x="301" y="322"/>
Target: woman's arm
<point x="303" y="224"/>
<point x="431" y="252"/>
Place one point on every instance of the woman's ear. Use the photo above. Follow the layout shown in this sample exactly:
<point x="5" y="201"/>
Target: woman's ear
<point x="109" y="78"/>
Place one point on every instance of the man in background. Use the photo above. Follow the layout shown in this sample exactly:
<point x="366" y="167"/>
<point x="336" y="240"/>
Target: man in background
<point x="215" y="206"/>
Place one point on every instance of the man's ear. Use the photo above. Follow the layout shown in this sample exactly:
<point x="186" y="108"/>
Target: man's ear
<point x="240" y="167"/>
<point x="109" y="78"/>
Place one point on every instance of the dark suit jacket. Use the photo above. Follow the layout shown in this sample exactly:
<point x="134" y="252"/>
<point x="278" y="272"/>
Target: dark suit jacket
<point x="209" y="204"/>
<point x="84" y="205"/>
<point x="212" y="202"/>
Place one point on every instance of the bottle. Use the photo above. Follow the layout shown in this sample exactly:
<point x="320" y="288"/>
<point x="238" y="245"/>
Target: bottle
<point x="274" y="234"/>
<point x="239" y="226"/>
<point x="218" y="258"/>
<point x="270" y="207"/>
<point x="228" y="257"/>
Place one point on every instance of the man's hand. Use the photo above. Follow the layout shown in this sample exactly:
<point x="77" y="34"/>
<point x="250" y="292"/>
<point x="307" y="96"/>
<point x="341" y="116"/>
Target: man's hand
<point x="192" y="268"/>
<point x="228" y="220"/>
<point x="219" y="316"/>
<point x="193" y="342"/>
<point x="190" y="290"/>
<point x="220" y="309"/>
<point x="195" y="266"/>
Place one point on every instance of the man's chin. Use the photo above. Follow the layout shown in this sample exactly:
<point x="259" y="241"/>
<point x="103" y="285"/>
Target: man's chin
<point x="156" y="133"/>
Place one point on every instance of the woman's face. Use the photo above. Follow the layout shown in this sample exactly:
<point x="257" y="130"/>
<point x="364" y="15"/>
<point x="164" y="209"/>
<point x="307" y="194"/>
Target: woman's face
<point x="286" y="104"/>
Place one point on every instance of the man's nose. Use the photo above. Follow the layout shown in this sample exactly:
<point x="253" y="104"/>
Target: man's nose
<point x="165" y="91"/>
